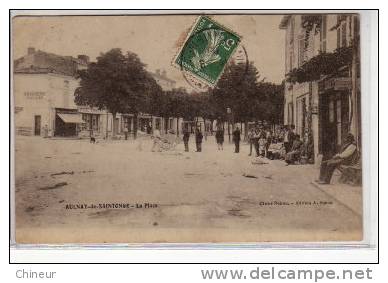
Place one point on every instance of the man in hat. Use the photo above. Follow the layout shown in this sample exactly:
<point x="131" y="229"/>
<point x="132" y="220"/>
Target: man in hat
<point x="347" y="156"/>
<point x="186" y="137"/>
<point x="198" y="139"/>
<point x="236" y="139"/>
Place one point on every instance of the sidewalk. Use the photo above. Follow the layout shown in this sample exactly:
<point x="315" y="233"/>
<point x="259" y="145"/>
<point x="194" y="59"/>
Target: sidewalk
<point x="350" y="196"/>
<point x="347" y="195"/>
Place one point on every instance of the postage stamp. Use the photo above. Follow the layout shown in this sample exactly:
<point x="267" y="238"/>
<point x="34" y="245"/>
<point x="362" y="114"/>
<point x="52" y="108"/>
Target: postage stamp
<point x="207" y="50"/>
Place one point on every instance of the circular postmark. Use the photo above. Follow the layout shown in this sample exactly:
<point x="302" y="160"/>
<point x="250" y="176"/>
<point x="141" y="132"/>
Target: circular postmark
<point x="206" y="53"/>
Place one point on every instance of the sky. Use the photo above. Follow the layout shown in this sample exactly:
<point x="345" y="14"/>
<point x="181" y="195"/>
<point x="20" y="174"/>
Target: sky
<point x="156" y="39"/>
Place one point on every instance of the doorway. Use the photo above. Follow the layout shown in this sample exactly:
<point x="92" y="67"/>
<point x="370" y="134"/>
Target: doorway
<point x="334" y="121"/>
<point x="37" y="125"/>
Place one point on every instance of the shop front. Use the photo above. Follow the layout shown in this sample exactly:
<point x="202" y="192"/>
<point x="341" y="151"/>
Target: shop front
<point x="334" y="118"/>
<point x="67" y="122"/>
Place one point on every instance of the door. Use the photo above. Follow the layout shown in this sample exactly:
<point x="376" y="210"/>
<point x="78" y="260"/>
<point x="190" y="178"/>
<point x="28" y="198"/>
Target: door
<point x="116" y="125"/>
<point x="328" y="126"/>
<point x="334" y="122"/>
<point x="37" y="125"/>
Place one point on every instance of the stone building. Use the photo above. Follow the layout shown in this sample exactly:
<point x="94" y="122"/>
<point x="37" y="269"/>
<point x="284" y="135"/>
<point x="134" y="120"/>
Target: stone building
<point x="44" y="87"/>
<point x="328" y="107"/>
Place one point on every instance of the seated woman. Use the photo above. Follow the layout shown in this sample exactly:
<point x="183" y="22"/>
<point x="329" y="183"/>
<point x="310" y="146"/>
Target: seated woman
<point x="294" y="154"/>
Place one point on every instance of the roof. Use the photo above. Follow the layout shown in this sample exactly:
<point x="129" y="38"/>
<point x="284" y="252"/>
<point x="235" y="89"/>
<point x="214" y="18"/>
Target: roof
<point x="284" y="22"/>
<point x="160" y="76"/>
<point x="40" y="62"/>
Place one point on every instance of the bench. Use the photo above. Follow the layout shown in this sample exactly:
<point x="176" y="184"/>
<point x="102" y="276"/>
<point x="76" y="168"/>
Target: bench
<point x="351" y="174"/>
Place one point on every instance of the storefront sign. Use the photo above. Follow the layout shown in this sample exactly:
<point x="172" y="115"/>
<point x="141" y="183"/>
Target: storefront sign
<point x="34" y="94"/>
<point x="88" y="110"/>
<point x="18" y="109"/>
<point x="338" y="84"/>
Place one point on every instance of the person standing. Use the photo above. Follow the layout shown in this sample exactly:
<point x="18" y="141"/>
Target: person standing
<point x="289" y="138"/>
<point x="198" y="139"/>
<point x="125" y="132"/>
<point x="256" y="138"/>
<point x="262" y="143"/>
<point x="236" y="139"/>
<point x="251" y="135"/>
<point x="285" y="139"/>
<point x="157" y="141"/>
<point x="186" y="137"/>
<point x="45" y="131"/>
<point x="220" y="138"/>
<point x="269" y="138"/>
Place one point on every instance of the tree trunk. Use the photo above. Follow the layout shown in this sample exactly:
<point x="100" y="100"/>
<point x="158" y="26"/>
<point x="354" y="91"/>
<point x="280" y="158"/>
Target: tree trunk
<point x="135" y="126"/>
<point x="246" y="131"/>
<point x="152" y="125"/>
<point x="114" y="125"/>
<point x="229" y="129"/>
<point x="177" y="126"/>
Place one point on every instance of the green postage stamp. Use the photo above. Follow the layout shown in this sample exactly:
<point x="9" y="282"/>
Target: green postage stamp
<point x="207" y="50"/>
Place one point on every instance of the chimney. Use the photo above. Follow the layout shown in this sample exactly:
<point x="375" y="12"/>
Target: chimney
<point x="83" y="58"/>
<point x="158" y="72"/>
<point x="30" y="50"/>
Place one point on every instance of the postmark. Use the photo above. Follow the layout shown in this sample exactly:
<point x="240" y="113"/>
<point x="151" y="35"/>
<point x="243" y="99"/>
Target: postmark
<point x="206" y="51"/>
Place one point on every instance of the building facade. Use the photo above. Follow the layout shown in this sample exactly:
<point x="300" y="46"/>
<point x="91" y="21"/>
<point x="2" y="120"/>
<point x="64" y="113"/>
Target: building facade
<point x="44" y="86"/>
<point x="324" y="109"/>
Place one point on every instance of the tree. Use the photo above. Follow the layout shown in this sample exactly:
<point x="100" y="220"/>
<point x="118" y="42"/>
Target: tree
<point x="118" y="83"/>
<point x="249" y="97"/>
<point x="236" y="90"/>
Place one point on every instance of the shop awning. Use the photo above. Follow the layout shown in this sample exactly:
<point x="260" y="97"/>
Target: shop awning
<point x="71" y="118"/>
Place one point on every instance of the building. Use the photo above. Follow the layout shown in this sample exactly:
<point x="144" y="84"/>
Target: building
<point x="327" y="107"/>
<point x="44" y="86"/>
<point x="171" y="124"/>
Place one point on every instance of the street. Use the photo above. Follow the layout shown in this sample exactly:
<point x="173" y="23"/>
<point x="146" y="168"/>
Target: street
<point x="63" y="187"/>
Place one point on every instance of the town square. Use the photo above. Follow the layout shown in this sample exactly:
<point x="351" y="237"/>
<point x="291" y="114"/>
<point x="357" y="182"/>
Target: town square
<point x="187" y="129"/>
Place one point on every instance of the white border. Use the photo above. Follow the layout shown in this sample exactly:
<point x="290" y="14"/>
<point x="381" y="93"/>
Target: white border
<point x="365" y="250"/>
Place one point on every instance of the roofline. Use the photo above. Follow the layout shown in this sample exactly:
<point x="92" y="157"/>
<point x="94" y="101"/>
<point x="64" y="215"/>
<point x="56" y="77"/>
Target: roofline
<point x="284" y="22"/>
<point x="161" y="77"/>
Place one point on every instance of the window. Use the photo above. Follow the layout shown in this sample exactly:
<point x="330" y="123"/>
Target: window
<point x="331" y="111"/>
<point x="301" y="51"/>
<point x="323" y="34"/>
<point x="341" y="31"/>
<point x="339" y="123"/>
<point x="290" y="112"/>
<point x="343" y="34"/>
<point x="292" y="30"/>
<point x="66" y="97"/>
<point x="291" y="45"/>
<point x="91" y="122"/>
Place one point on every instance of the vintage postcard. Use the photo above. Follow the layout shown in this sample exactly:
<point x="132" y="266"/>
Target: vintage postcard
<point x="194" y="128"/>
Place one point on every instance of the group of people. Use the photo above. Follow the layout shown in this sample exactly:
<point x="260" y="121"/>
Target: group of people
<point x="219" y="139"/>
<point x="282" y="143"/>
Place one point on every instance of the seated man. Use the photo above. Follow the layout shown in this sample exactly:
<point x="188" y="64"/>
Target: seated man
<point x="294" y="153"/>
<point x="347" y="156"/>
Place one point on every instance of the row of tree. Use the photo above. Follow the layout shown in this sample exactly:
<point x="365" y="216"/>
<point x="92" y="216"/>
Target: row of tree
<point x="120" y="83"/>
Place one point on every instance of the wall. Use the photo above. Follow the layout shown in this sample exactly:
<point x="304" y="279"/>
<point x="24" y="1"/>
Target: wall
<point x="39" y="94"/>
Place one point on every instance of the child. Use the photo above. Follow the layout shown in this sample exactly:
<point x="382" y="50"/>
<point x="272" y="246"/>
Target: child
<point x="92" y="138"/>
<point x="262" y="145"/>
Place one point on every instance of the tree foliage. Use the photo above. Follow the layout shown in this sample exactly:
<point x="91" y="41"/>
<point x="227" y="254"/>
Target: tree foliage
<point x="120" y="83"/>
<point x="116" y="82"/>
<point x="322" y="64"/>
